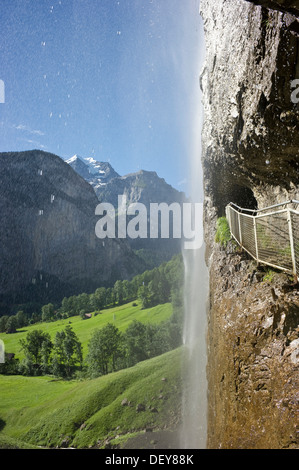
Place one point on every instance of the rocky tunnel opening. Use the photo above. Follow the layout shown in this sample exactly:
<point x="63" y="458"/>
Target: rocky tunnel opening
<point x="242" y="196"/>
<point x="228" y="186"/>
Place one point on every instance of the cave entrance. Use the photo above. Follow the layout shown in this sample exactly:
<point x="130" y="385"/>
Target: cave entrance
<point x="241" y="195"/>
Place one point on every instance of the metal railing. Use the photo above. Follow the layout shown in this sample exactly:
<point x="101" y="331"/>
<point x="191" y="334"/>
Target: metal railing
<point x="269" y="235"/>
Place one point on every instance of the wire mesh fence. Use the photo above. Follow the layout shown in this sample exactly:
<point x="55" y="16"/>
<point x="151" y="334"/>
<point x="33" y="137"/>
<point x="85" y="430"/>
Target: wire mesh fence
<point x="270" y="235"/>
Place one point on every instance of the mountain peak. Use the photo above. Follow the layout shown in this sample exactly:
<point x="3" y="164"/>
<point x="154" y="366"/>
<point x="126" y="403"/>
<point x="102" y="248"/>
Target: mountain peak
<point x="95" y="172"/>
<point x="74" y="159"/>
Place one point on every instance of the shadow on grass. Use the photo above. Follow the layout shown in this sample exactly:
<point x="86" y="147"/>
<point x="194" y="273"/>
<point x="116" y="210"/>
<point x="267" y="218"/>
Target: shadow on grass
<point x="2" y="424"/>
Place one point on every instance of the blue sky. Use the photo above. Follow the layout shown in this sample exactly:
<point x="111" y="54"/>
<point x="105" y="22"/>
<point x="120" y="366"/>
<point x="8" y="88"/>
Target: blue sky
<point x="114" y="79"/>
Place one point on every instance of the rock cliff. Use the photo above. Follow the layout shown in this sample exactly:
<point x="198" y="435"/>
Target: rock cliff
<point x="143" y="187"/>
<point x="48" y="242"/>
<point x="250" y="156"/>
<point x="286" y="6"/>
<point x="96" y="173"/>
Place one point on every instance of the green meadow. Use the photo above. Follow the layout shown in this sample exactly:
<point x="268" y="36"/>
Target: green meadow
<point x="100" y="413"/>
<point x="120" y="316"/>
<point x="43" y="412"/>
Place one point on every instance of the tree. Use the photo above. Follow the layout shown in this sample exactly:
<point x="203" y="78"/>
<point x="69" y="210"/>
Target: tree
<point x="67" y="352"/>
<point x="37" y="347"/>
<point x="110" y="296"/>
<point x="10" y="365"/>
<point x="157" y="340"/>
<point x="103" y="350"/>
<point x="46" y="350"/>
<point x="98" y="299"/>
<point x="35" y="318"/>
<point x="144" y="295"/>
<point x="126" y="290"/>
<point x="119" y="292"/>
<point x="135" y="341"/>
<point x="48" y="312"/>
<point x="69" y="306"/>
<point x="65" y="305"/>
<point x="21" y="319"/>
<point x="3" y="321"/>
<point x="82" y="314"/>
<point x="11" y="325"/>
<point x="134" y="286"/>
<point x="83" y="303"/>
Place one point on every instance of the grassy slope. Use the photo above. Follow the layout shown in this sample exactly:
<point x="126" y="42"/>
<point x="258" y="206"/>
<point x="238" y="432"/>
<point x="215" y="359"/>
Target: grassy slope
<point x="40" y="411"/>
<point x="120" y="316"/>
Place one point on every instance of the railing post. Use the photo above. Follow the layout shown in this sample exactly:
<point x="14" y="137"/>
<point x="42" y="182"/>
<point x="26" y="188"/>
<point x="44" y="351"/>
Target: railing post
<point x="255" y="239"/>
<point x="240" y="230"/>
<point x="228" y="216"/>
<point x="292" y="242"/>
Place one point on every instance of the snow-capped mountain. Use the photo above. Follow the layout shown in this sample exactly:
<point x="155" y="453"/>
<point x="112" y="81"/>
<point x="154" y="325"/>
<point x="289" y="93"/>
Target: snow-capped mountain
<point x="96" y="173"/>
<point x="144" y="187"/>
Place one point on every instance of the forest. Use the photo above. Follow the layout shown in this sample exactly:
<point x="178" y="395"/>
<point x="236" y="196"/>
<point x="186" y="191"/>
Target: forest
<point x="109" y="349"/>
<point x="157" y="286"/>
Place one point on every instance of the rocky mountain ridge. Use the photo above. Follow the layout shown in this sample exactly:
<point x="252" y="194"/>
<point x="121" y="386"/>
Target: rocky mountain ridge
<point x="143" y="187"/>
<point x="48" y="241"/>
<point x="96" y="173"/>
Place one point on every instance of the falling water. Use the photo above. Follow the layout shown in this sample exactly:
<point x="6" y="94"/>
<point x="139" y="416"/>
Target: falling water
<point x="194" y="406"/>
<point x="194" y="429"/>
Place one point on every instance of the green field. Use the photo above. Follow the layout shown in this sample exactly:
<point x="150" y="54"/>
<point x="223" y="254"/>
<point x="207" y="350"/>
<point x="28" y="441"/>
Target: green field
<point x="120" y="316"/>
<point x="40" y="411"/>
<point x="47" y="412"/>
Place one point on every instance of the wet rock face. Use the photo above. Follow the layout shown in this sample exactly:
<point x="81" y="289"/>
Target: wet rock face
<point x="250" y="134"/>
<point x="254" y="356"/>
<point x="47" y="229"/>
<point x="250" y="157"/>
<point x="289" y="6"/>
<point x="144" y="187"/>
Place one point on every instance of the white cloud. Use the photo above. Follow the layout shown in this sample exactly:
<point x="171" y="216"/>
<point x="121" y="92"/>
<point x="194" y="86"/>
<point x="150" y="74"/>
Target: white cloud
<point x="35" y="143"/>
<point x="182" y="182"/>
<point x="22" y="127"/>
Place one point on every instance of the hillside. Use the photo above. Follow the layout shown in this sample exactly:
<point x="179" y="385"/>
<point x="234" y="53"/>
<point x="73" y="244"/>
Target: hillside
<point x="143" y="187"/>
<point x="53" y="413"/>
<point x="48" y="244"/>
<point x="120" y="316"/>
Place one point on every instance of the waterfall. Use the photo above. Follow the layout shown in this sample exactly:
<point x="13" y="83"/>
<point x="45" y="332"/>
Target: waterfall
<point x="196" y="289"/>
<point x="194" y="425"/>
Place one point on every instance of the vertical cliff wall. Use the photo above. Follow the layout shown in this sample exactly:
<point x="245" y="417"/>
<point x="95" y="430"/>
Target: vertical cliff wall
<point x="250" y="156"/>
<point x="48" y="244"/>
